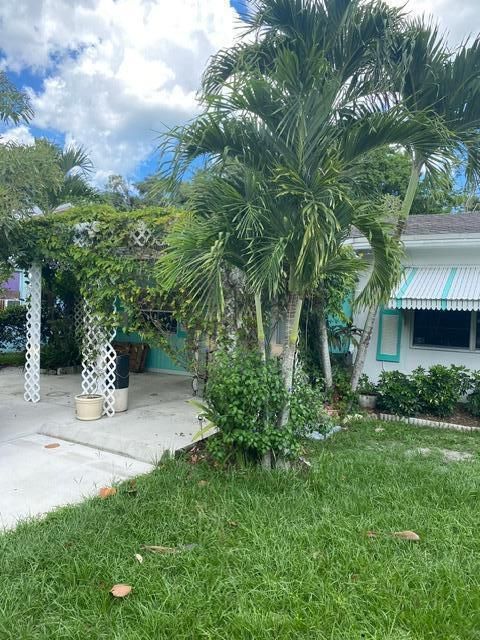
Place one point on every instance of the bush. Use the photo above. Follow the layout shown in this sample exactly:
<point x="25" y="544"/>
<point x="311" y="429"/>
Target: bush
<point x="13" y="328"/>
<point x="473" y="400"/>
<point x="307" y="412"/>
<point x="440" y="388"/>
<point x="397" y="394"/>
<point x="62" y="349"/>
<point x="245" y="399"/>
<point x="366" y="387"/>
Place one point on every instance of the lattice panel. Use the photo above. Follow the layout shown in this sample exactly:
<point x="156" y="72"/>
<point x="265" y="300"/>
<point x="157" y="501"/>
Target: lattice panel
<point x="98" y="360"/>
<point x="141" y="235"/>
<point x="78" y="321"/>
<point x="32" y="358"/>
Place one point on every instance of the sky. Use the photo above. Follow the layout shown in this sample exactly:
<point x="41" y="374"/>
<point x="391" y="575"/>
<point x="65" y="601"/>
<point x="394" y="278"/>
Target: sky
<point x="112" y="75"/>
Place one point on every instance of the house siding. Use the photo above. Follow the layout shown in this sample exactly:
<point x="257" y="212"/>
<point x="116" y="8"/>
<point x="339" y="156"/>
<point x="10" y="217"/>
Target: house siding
<point x="411" y="356"/>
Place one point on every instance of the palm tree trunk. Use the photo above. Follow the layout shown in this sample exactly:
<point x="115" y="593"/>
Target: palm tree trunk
<point x="364" y="343"/>
<point x="294" y="308"/>
<point x="324" y="349"/>
<point x="260" y="327"/>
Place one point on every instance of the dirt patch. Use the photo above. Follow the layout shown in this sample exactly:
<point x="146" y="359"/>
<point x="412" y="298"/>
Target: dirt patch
<point x="449" y="455"/>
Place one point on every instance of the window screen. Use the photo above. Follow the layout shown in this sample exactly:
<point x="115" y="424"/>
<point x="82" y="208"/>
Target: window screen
<point x="442" y="329"/>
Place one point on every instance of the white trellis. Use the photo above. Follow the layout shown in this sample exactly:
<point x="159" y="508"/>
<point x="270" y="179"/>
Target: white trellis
<point x="98" y="360"/>
<point x="98" y="354"/>
<point x="32" y="357"/>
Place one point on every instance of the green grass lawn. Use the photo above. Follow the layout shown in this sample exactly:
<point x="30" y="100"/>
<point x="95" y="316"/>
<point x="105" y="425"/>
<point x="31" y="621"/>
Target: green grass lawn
<point x="279" y="555"/>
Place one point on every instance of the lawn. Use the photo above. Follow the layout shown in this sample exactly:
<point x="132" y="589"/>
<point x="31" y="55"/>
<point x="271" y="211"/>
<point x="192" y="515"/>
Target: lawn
<point x="276" y="555"/>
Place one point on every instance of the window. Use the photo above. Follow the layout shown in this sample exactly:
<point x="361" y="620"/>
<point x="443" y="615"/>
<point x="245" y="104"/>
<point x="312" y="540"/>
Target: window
<point x="450" y="329"/>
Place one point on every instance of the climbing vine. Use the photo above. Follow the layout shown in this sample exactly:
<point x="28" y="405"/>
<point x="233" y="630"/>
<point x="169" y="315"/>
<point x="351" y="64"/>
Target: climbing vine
<point x="112" y="256"/>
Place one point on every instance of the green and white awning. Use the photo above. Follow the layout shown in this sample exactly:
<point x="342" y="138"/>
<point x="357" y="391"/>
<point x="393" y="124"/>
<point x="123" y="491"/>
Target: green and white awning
<point x="438" y="288"/>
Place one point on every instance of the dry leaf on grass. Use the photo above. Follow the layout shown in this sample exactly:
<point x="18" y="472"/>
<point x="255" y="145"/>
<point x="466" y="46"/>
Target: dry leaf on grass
<point x="138" y="558"/>
<point x="155" y="548"/>
<point x="53" y="445"/>
<point x="371" y="534"/>
<point x="379" y="430"/>
<point x="106" y="492"/>
<point x="232" y="523"/>
<point x="407" y="535"/>
<point x="202" y="483"/>
<point x="120" y="590"/>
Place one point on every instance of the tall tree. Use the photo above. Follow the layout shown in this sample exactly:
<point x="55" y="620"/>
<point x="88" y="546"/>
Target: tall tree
<point x="301" y="106"/>
<point x="447" y="85"/>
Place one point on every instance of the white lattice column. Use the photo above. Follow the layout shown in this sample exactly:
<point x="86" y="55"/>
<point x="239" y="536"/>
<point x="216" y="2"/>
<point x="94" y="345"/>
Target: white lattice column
<point x="34" y="310"/>
<point x="98" y="360"/>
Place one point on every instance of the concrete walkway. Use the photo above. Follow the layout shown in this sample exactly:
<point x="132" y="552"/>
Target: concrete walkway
<point x="91" y="454"/>
<point x="36" y="479"/>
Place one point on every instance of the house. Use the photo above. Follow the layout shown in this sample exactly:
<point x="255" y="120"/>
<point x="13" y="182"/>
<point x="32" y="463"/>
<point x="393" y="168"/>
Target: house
<point x="12" y="292"/>
<point x="433" y="315"/>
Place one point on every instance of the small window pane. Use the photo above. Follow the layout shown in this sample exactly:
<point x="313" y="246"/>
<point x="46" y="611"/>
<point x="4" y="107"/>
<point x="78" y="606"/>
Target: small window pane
<point x="442" y="329"/>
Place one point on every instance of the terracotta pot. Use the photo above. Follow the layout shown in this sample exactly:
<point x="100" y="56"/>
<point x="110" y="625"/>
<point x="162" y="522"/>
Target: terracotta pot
<point x="367" y="401"/>
<point x="89" y="406"/>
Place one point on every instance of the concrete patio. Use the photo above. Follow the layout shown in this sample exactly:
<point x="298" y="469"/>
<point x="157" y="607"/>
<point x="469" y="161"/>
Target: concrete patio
<point x="36" y="478"/>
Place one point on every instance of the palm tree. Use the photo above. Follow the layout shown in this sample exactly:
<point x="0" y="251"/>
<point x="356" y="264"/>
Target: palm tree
<point x="446" y="85"/>
<point x="301" y="107"/>
<point x="75" y="167"/>
<point x="14" y="104"/>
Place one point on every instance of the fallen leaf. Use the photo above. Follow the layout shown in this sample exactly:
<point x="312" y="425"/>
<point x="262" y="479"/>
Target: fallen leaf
<point x="379" y="429"/>
<point x="354" y="577"/>
<point x="407" y="535"/>
<point x="202" y="483"/>
<point x="138" y="558"/>
<point x="106" y="492"/>
<point x="53" y="445"/>
<point x="233" y="523"/>
<point x="371" y="534"/>
<point x="120" y="590"/>
<point x="155" y="548"/>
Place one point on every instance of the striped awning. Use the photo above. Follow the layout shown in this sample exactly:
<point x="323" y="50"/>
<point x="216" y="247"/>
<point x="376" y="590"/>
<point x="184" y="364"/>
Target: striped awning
<point x="440" y="288"/>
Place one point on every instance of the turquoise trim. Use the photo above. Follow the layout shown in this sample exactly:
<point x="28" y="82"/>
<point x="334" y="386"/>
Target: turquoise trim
<point x="447" y="287"/>
<point x="404" y="287"/>
<point x="388" y="357"/>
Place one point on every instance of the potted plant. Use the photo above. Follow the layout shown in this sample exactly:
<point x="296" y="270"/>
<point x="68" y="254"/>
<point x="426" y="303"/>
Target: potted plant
<point x="89" y="406"/>
<point x="367" y="393"/>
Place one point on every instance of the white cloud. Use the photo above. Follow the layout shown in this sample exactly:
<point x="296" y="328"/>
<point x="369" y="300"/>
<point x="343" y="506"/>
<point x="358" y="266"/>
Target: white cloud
<point x="17" y="135"/>
<point x="116" y="71"/>
<point x="458" y="19"/>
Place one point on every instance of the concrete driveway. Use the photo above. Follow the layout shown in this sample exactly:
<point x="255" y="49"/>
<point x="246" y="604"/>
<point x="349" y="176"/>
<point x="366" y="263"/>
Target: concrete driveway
<point x="35" y="478"/>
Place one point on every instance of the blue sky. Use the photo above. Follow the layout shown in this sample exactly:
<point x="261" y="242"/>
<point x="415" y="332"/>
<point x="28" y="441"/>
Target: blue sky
<point x="111" y="75"/>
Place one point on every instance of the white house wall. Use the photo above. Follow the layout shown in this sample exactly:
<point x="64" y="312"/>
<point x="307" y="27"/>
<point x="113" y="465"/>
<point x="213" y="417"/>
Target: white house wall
<point x="411" y="357"/>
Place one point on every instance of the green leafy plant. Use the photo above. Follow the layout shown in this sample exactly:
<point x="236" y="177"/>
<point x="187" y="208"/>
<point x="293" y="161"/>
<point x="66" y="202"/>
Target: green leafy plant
<point x="13" y="329"/>
<point x="473" y="399"/>
<point x="366" y="387"/>
<point x="397" y="394"/>
<point x="307" y="412"/>
<point x="62" y="349"/>
<point x="440" y="388"/>
<point x="245" y="398"/>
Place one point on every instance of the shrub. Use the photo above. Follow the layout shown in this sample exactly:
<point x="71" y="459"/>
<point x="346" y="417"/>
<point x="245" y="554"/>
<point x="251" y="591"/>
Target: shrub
<point x="440" y="388"/>
<point x="366" y="387"/>
<point x="245" y="398"/>
<point x="307" y="412"/>
<point x="397" y="394"/>
<point x="473" y="400"/>
<point x="13" y="328"/>
<point x="62" y="348"/>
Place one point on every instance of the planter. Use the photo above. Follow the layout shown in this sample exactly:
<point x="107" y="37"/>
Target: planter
<point x="367" y="401"/>
<point x="88" y="407"/>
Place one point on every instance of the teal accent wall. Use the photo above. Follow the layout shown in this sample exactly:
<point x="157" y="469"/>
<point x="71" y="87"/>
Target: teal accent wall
<point x="157" y="358"/>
